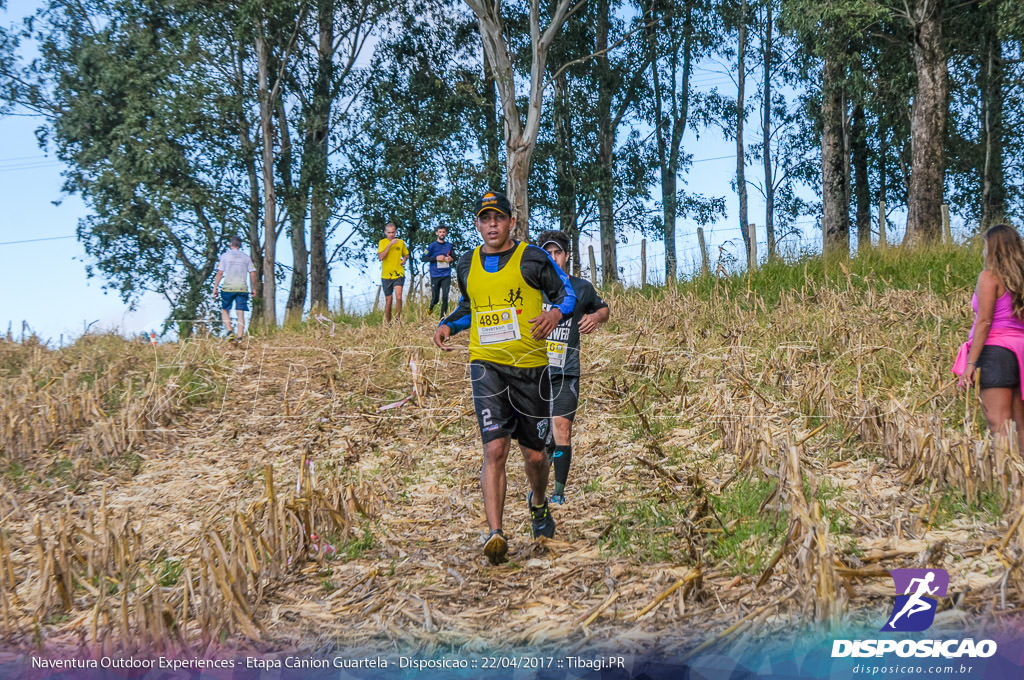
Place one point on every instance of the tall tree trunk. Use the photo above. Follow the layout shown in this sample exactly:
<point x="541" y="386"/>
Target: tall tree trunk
<point x="993" y="189"/>
<point x="320" y="210"/>
<point x="669" y="128"/>
<point x="269" y="197"/>
<point x="492" y="131"/>
<point x="741" y="181"/>
<point x="767" y="57"/>
<point x="606" y="147"/>
<point x="565" y="164"/>
<point x="861" y="190"/>
<point x="294" y="200"/>
<point x="520" y="138"/>
<point x="248" y="156"/>
<point x="252" y="216"/>
<point x="928" y="126"/>
<point x="519" y="159"/>
<point x="835" y="219"/>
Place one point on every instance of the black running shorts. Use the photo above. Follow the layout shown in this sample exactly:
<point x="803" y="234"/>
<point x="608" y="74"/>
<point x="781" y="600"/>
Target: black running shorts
<point x="389" y="285"/>
<point x="565" y="395"/>
<point x="512" y="402"/>
<point x="999" y="367"/>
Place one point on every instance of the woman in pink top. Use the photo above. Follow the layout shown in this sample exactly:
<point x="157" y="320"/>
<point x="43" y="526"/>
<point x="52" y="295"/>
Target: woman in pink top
<point x="994" y="352"/>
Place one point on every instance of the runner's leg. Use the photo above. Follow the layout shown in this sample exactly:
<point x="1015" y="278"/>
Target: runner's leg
<point x="387" y="309"/>
<point x="398" y="302"/>
<point x="493" y="481"/>
<point x="537" y="468"/>
<point x="225" y="316"/>
<point x="435" y="293"/>
<point x="446" y="284"/>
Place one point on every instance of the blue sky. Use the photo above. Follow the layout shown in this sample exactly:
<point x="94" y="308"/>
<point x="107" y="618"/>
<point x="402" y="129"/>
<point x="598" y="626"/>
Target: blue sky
<point x="45" y="282"/>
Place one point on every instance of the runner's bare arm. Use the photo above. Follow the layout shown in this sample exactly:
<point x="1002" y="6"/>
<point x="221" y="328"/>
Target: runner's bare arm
<point x="590" y="322"/>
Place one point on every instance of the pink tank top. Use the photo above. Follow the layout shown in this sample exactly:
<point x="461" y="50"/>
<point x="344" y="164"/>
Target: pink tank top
<point x="1002" y="315"/>
<point x="1007" y="331"/>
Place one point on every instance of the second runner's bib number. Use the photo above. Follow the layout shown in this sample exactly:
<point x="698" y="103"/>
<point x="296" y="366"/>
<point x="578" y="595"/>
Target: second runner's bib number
<point x="497" y="325"/>
<point x="556" y="354"/>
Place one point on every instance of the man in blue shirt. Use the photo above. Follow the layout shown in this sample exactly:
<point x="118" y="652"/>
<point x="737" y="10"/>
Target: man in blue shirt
<point x="440" y="256"/>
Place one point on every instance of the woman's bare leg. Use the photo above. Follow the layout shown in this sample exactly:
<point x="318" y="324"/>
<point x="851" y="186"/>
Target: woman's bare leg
<point x="1017" y="411"/>
<point x="997" y="405"/>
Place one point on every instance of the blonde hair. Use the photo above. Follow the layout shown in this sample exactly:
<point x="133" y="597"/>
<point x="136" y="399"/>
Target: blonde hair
<point x="1005" y="258"/>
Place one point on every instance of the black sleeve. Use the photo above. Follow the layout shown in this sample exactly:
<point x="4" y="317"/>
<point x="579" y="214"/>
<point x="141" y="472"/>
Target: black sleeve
<point x="591" y="301"/>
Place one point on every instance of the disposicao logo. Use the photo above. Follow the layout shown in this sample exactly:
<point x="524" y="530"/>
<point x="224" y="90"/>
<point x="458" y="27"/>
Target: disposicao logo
<point x="914" y="610"/>
<point x="918" y="596"/>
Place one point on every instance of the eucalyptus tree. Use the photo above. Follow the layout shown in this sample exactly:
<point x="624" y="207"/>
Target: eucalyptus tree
<point x="566" y="174"/>
<point x="677" y="35"/>
<point x="145" y="129"/>
<point x="520" y="133"/>
<point x="411" y="156"/>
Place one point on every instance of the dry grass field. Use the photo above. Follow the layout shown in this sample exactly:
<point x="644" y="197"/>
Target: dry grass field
<point x="752" y="454"/>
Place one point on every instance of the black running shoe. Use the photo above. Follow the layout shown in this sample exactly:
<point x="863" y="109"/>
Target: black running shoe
<point x="496" y="547"/>
<point x="543" y="524"/>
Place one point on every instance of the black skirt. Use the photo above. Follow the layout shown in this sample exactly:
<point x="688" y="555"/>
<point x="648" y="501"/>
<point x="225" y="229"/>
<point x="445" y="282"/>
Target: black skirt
<point x="999" y="367"/>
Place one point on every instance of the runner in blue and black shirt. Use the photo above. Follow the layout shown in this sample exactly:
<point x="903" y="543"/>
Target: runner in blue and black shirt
<point x="440" y="255"/>
<point x="564" y="359"/>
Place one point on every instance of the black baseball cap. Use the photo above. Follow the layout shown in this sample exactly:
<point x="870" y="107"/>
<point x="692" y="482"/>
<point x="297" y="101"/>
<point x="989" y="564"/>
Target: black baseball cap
<point x="492" y="200"/>
<point x="556" y="238"/>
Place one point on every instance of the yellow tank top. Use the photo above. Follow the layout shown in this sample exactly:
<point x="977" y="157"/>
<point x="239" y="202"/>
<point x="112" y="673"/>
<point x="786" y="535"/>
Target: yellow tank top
<point x="502" y="303"/>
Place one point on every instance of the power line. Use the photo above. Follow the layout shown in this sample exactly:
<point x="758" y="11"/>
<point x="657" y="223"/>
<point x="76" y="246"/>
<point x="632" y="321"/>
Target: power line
<point x="34" y="240"/>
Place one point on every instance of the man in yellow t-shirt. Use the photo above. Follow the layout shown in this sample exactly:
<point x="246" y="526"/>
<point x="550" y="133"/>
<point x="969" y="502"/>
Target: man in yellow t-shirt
<point x="392" y="253"/>
<point x="503" y="284"/>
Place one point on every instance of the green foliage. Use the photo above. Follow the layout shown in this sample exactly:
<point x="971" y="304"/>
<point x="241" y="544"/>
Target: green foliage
<point x="143" y="127"/>
<point x="952" y="504"/>
<point x="357" y="547"/>
<point x="170" y="571"/>
<point x="754" y="534"/>
<point x="410" y="159"/>
<point x="943" y="270"/>
<point x="647" y="527"/>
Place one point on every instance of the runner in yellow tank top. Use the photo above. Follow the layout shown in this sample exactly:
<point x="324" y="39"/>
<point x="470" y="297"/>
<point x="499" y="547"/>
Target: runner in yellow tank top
<point x="502" y="283"/>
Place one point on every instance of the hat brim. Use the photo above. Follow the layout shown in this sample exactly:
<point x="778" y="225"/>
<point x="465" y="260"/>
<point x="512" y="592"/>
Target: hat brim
<point x="491" y="207"/>
<point x="553" y="243"/>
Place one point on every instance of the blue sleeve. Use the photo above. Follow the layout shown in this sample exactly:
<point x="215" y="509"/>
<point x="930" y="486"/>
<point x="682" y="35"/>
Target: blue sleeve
<point x="568" y="303"/>
<point x="458" y="320"/>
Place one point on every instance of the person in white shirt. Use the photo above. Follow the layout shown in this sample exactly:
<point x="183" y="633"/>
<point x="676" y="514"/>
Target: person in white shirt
<point x="232" y="270"/>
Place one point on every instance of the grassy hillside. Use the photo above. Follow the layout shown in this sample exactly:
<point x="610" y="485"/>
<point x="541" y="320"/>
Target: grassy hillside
<point x="757" y="449"/>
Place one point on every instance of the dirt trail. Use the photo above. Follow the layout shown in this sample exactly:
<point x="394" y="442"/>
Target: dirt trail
<point x="684" y="459"/>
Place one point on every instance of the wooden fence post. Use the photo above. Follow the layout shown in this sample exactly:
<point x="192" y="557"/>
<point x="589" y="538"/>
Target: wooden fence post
<point x="752" y="256"/>
<point x="341" y="299"/>
<point x="593" y="266"/>
<point x="376" y="300"/>
<point x="705" y="267"/>
<point x="881" y="225"/>
<point x="643" y="263"/>
<point x="947" y="236"/>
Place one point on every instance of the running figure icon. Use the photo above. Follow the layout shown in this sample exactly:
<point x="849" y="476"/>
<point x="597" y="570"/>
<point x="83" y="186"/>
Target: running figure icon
<point x="914" y="609"/>
<point x="916" y="603"/>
